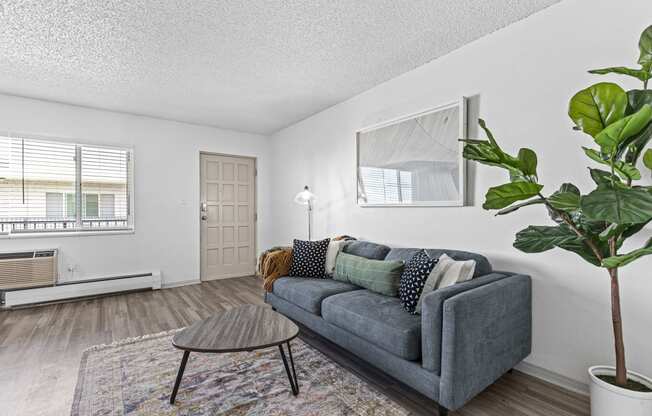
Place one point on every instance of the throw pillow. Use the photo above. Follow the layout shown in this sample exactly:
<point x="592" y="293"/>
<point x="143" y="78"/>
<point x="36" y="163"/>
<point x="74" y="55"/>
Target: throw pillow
<point x="309" y="258"/>
<point x="447" y="272"/>
<point x="378" y="276"/>
<point x="413" y="279"/>
<point x="458" y="271"/>
<point x="334" y="248"/>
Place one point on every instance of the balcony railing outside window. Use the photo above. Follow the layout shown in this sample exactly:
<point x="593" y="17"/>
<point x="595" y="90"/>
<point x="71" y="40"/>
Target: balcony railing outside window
<point x="52" y="186"/>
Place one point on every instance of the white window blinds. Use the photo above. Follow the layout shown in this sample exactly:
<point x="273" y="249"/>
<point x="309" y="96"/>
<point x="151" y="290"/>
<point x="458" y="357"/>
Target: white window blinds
<point x="105" y="184"/>
<point x="56" y="186"/>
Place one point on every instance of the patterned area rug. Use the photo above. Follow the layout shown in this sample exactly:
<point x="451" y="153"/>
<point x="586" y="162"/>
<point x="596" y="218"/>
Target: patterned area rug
<point x="135" y="377"/>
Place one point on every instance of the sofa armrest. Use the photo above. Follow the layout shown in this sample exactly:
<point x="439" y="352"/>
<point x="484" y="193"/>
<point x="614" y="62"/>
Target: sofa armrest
<point x="432" y="312"/>
<point x="486" y="331"/>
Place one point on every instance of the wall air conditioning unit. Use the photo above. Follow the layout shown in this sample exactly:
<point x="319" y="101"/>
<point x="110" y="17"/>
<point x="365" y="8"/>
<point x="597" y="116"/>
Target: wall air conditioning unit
<point x="28" y="269"/>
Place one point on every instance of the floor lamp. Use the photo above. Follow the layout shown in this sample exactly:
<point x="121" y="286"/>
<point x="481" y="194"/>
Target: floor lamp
<point x="306" y="197"/>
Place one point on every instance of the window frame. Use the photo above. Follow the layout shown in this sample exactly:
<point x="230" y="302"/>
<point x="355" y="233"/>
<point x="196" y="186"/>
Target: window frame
<point x="130" y="228"/>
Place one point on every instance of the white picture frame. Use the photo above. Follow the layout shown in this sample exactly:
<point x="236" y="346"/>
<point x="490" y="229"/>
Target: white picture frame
<point x="435" y="181"/>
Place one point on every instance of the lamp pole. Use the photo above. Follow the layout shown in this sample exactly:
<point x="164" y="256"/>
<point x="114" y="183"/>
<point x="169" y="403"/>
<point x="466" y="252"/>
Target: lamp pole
<point x="306" y="197"/>
<point x="309" y="220"/>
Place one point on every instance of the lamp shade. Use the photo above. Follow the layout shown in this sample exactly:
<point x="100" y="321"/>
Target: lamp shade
<point x="304" y="197"/>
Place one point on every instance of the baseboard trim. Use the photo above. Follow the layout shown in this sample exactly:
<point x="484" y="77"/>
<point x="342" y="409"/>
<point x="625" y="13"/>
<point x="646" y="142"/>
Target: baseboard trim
<point x="72" y="290"/>
<point x="228" y="276"/>
<point x="170" y="285"/>
<point x="554" y="378"/>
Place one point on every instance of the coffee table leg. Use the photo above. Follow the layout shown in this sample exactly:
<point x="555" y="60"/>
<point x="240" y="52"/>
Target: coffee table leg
<point x="292" y="377"/>
<point x="182" y="368"/>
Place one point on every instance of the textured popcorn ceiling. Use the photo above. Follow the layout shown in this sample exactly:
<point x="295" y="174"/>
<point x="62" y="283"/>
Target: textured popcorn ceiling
<point x="248" y="65"/>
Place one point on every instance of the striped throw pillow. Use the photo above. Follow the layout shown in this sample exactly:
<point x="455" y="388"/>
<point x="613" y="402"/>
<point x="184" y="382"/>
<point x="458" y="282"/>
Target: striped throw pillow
<point x="446" y="273"/>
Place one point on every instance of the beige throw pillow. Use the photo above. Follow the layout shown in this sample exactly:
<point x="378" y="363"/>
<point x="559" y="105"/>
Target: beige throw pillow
<point x="447" y="272"/>
<point x="334" y="248"/>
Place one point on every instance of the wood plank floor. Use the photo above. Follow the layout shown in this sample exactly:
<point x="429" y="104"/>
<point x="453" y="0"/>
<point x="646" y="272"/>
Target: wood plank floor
<point x="40" y="350"/>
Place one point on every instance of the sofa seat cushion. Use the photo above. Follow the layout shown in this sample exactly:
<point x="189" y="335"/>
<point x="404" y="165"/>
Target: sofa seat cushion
<point x="376" y="318"/>
<point x="308" y="293"/>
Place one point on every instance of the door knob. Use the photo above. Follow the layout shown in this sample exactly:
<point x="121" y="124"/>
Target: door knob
<point x="203" y="208"/>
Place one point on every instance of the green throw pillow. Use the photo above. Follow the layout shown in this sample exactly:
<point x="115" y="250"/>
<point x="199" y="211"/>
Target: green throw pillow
<point x="379" y="276"/>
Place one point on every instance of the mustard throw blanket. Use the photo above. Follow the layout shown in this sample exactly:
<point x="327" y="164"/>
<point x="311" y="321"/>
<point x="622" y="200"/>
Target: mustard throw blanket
<point x="273" y="264"/>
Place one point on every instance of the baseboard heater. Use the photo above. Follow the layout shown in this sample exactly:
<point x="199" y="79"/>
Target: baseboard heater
<point x="80" y="288"/>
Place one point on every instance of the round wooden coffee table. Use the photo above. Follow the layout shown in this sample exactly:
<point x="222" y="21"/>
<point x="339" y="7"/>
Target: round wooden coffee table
<point x="245" y="328"/>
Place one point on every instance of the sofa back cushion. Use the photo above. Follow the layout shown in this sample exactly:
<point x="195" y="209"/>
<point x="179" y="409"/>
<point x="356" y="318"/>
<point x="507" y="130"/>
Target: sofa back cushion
<point x="378" y="276"/>
<point x="482" y="265"/>
<point x="367" y="249"/>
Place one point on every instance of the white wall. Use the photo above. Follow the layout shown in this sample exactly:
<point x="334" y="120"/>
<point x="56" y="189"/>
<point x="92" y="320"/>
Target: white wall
<point x="166" y="166"/>
<point x="522" y="78"/>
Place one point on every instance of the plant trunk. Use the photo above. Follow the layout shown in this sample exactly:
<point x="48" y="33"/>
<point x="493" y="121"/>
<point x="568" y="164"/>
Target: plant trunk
<point x="621" y="369"/>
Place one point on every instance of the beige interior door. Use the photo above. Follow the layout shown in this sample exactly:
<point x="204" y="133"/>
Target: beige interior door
<point x="227" y="216"/>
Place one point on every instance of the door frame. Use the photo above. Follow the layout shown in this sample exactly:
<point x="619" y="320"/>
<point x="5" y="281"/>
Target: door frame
<point x="198" y="212"/>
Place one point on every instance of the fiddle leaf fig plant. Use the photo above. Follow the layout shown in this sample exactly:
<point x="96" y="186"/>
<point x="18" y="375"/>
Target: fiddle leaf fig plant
<point x="593" y="225"/>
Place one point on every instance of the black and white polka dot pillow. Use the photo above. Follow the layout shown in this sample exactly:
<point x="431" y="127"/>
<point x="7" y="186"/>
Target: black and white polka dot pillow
<point x="309" y="258"/>
<point x="414" y="277"/>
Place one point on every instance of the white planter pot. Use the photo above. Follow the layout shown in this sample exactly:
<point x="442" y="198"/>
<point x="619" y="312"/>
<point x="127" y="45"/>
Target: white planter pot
<point x="610" y="400"/>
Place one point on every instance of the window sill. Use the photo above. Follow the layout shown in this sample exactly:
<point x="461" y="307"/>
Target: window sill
<point x="56" y="234"/>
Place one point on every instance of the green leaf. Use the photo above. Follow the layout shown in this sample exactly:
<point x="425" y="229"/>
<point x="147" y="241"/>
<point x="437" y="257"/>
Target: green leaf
<point x="613" y="135"/>
<point x="601" y="177"/>
<point x="567" y="198"/>
<point x="480" y="151"/>
<point x="565" y="201"/>
<point x="488" y="152"/>
<point x="623" y="169"/>
<point x="598" y="106"/>
<point x="569" y="187"/>
<point x="622" y="260"/>
<point x="635" y="146"/>
<point x="637" y="99"/>
<point x="613" y="230"/>
<point x="485" y="153"/>
<point x="647" y="158"/>
<point x="621" y="231"/>
<point x="618" y="204"/>
<point x="645" y="46"/>
<point x="513" y="208"/>
<point x="625" y="259"/>
<point x="536" y="239"/>
<point x="504" y="195"/>
<point x="590" y="227"/>
<point x="488" y="133"/>
<point x="633" y="229"/>
<point x="528" y="160"/>
<point x="580" y="247"/>
<point x="641" y="74"/>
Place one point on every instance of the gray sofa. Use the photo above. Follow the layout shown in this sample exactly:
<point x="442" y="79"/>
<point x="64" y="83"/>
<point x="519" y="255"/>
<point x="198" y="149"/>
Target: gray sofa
<point x="467" y="336"/>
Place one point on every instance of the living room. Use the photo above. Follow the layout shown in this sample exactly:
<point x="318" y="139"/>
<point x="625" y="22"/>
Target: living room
<point x="152" y="154"/>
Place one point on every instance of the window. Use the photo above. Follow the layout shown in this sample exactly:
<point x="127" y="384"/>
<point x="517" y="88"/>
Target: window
<point x="90" y="206"/>
<point x="56" y="186"/>
<point x="53" y="204"/>
<point x="107" y="205"/>
<point x="70" y="206"/>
